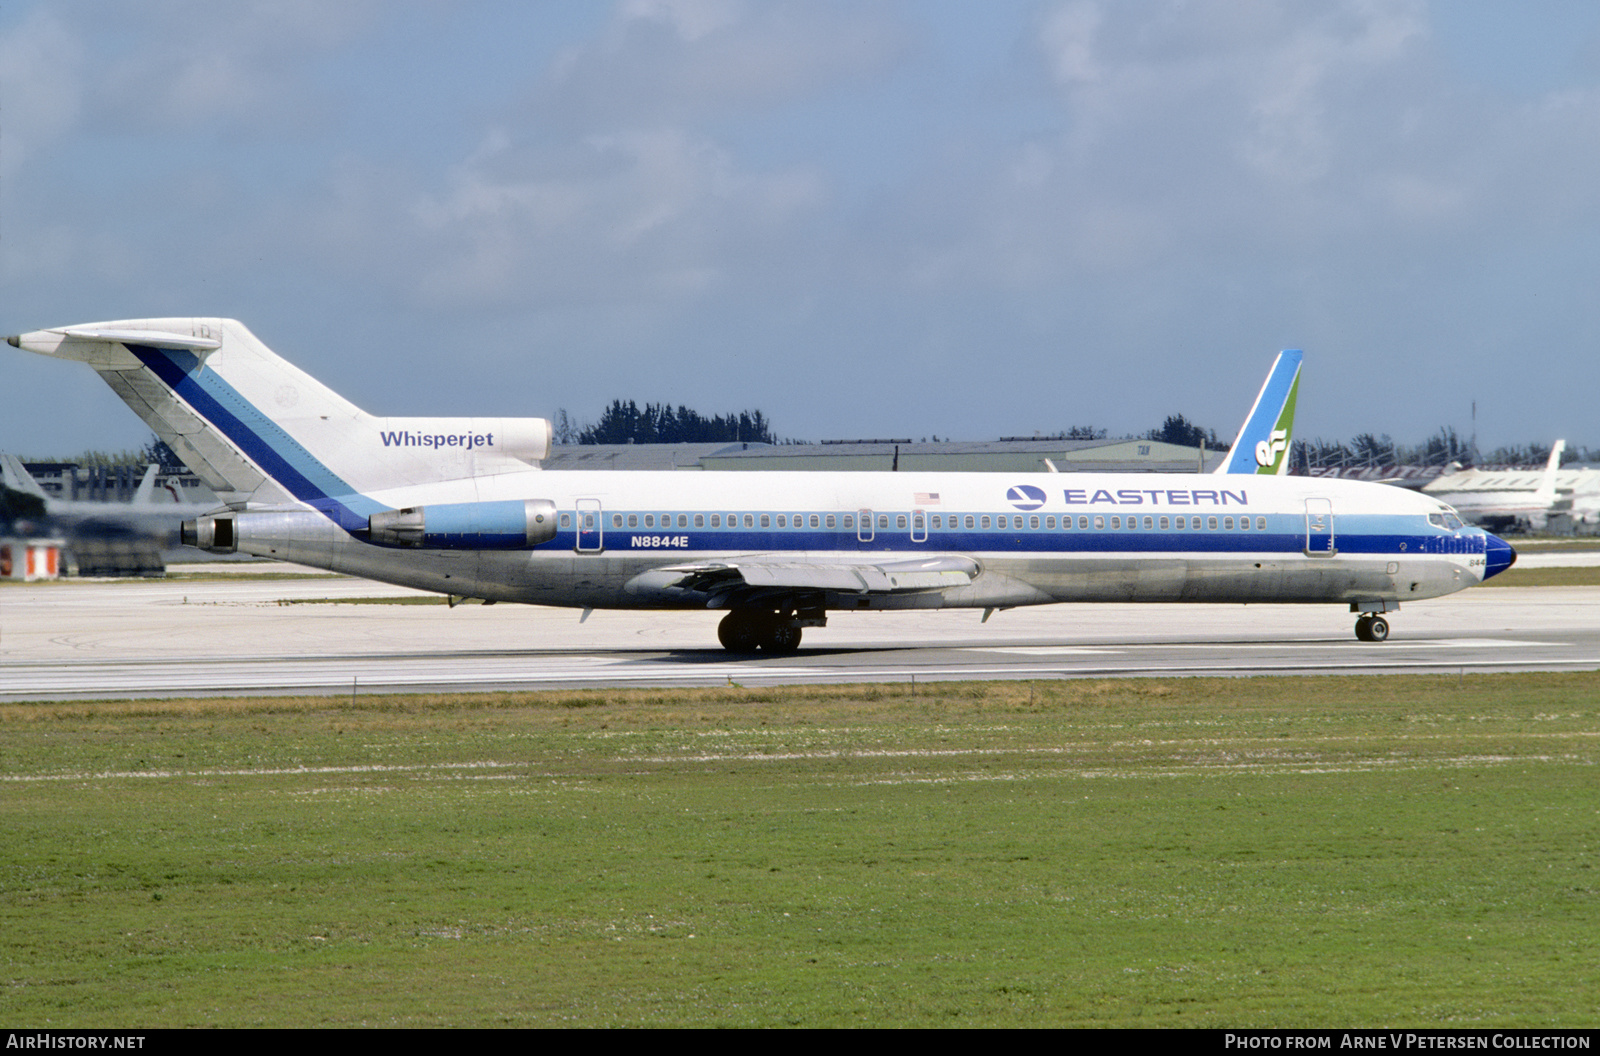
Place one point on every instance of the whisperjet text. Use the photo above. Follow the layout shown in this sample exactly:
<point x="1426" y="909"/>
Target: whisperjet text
<point x="467" y="440"/>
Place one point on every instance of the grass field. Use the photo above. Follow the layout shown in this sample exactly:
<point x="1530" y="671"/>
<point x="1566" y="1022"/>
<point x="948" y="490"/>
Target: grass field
<point x="1221" y="852"/>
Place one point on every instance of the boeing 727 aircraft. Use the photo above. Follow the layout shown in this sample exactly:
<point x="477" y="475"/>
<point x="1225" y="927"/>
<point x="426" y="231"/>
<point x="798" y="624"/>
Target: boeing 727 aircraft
<point x="459" y="506"/>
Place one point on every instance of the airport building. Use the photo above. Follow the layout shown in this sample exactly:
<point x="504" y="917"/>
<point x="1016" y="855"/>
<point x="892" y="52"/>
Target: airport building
<point x="1007" y="455"/>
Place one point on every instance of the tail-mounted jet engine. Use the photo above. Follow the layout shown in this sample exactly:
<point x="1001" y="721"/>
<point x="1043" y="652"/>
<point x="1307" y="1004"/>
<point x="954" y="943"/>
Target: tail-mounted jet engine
<point x="514" y="524"/>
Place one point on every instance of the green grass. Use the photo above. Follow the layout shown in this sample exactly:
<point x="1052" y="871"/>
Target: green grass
<point x="1546" y="577"/>
<point x="1241" y="852"/>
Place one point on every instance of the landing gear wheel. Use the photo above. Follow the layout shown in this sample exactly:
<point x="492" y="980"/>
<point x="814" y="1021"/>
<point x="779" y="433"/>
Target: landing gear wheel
<point x="781" y="638"/>
<point x="746" y="630"/>
<point x="740" y="631"/>
<point x="1372" y="629"/>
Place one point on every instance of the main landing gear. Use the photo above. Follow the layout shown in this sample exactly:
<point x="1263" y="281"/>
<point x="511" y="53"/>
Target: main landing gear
<point x="1372" y="628"/>
<point x="747" y="630"/>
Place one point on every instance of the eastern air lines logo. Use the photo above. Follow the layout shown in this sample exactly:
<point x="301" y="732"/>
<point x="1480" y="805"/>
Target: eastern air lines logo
<point x="1025" y="497"/>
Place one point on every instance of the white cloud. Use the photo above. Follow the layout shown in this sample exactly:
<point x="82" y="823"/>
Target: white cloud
<point x="679" y="61"/>
<point x="647" y="213"/>
<point x="191" y="62"/>
<point x="691" y="19"/>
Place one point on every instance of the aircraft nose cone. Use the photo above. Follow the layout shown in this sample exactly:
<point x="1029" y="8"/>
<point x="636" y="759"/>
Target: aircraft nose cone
<point x="1497" y="556"/>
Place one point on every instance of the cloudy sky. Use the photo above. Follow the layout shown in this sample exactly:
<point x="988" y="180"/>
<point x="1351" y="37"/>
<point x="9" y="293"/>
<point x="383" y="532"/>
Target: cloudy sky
<point x="890" y="218"/>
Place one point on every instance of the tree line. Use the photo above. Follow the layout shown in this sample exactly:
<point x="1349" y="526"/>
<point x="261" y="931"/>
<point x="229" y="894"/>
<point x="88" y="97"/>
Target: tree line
<point x="659" y="423"/>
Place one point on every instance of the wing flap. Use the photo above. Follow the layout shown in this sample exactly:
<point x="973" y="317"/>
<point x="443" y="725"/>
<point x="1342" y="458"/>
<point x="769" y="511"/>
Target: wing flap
<point x="769" y="574"/>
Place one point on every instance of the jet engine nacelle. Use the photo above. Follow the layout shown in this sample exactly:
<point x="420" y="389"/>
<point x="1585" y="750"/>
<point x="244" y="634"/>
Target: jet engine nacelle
<point x="288" y="535"/>
<point x="513" y="524"/>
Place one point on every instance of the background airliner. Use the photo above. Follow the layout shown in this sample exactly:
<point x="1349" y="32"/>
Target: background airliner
<point x="458" y="505"/>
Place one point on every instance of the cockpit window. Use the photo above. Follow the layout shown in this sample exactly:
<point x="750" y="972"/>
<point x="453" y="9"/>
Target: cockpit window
<point x="1446" y="520"/>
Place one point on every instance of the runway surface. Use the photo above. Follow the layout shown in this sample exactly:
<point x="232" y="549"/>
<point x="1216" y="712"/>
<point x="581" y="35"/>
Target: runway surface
<point x="88" y="639"/>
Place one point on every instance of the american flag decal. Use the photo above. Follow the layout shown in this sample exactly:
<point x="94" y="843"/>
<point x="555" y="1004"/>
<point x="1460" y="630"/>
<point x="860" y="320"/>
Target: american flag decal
<point x="927" y="498"/>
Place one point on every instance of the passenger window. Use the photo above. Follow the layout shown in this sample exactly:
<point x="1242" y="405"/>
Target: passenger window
<point x="766" y="522"/>
<point x="1033" y="522"/>
<point x="983" y="522"/>
<point x="829" y="522"/>
<point x="783" y="522"/>
<point x="1211" y="523"/>
<point x="1083" y="522"/>
<point x="716" y="520"/>
<point x="616" y="520"/>
<point x="649" y="520"/>
<point x="969" y="520"/>
<point x="1116" y="522"/>
<point x="899" y="520"/>
<point x="1194" y="522"/>
<point x="1227" y="524"/>
<point x="749" y="520"/>
<point x="1099" y="524"/>
<point x="883" y="520"/>
<point x="1149" y="523"/>
<point x="699" y="520"/>
<point x="1261" y="524"/>
<point x="849" y="520"/>
<point x="566" y="520"/>
<point x="633" y="520"/>
<point x="683" y="520"/>
<point x="814" y="521"/>
<point x="1049" y="522"/>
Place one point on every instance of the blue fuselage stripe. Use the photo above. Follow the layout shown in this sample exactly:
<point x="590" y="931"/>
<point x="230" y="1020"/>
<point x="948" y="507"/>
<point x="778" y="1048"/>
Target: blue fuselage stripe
<point x="261" y="439"/>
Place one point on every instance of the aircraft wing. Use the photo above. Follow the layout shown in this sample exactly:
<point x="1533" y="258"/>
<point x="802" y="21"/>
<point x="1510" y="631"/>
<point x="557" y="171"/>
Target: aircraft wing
<point x="761" y="574"/>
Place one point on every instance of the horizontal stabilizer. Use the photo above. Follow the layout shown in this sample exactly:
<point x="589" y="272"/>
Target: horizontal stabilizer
<point x="150" y="338"/>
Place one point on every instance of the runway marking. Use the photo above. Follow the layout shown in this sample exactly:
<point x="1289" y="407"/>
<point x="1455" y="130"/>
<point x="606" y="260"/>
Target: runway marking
<point x="1041" y="650"/>
<point x="1468" y="643"/>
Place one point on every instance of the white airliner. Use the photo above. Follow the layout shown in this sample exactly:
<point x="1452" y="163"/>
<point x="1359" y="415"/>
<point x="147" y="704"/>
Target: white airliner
<point x="1506" y="499"/>
<point x="458" y="506"/>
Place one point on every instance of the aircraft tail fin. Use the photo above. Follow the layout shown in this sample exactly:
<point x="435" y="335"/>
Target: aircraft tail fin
<point x="258" y="430"/>
<point x="145" y="493"/>
<point x="1547" y="484"/>
<point x="16" y="477"/>
<point x="1262" y="446"/>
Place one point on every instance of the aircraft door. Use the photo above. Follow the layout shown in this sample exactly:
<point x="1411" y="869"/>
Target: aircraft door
<point x="1319" y="528"/>
<point x="919" y="526"/>
<point x="591" y="527"/>
<point x="864" y="526"/>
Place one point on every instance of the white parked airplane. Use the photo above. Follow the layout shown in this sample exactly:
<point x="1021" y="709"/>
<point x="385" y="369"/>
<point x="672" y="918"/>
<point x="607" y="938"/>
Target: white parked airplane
<point x="458" y="506"/>
<point x="1505" y="499"/>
